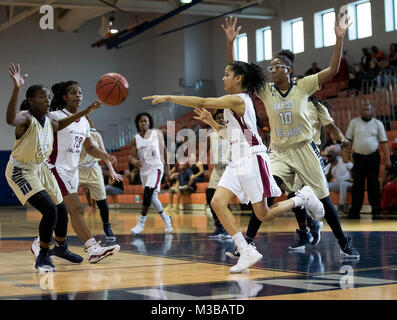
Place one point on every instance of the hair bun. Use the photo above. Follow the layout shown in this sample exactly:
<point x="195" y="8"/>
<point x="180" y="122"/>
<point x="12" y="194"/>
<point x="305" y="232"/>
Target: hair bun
<point x="287" y="53"/>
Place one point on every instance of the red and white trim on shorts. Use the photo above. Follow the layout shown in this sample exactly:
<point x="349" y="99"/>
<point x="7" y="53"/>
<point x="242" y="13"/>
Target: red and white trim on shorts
<point x="158" y="178"/>
<point x="264" y="171"/>
<point x="61" y="184"/>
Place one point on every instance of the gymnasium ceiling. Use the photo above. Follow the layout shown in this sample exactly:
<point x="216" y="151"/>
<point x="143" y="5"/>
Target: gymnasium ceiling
<point x="14" y="11"/>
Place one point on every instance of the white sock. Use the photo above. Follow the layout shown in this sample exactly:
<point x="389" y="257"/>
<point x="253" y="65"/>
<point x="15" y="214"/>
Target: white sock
<point x="163" y="216"/>
<point x="240" y="241"/>
<point x="299" y="202"/>
<point x="142" y="219"/>
<point x="90" y="242"/>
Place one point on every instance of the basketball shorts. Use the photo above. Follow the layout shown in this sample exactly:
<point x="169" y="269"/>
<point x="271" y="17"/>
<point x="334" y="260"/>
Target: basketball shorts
<point x="250" y="178"/>
<point x="92" y="178"/>
<point x="68" y="180"/>
<point x="153" y="180"/>
<point x="299" y="165"/>
<point x="26" y="182"/>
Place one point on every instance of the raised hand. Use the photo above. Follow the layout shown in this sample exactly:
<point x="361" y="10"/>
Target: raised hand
<point x="203" y="115"/>
<point x="341" y="25"/>
<point x="230" y="29"/>
<point x="156" y="99"/>
<point x="15" y="73"/>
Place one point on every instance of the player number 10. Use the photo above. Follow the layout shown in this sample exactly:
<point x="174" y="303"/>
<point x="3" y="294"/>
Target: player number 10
<point x="286" y="118"/>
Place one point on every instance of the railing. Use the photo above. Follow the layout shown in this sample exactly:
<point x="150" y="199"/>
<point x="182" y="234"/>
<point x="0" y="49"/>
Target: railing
<point x="383" y="101"/>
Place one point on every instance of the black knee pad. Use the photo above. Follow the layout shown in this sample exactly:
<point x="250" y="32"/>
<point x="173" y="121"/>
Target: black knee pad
<point x="278" y="180"/>
<point x="147" y="196"/>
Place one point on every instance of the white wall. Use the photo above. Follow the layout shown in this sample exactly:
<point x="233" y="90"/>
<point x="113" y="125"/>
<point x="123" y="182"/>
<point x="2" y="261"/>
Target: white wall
<point x="50" y="56"/>
<point x="156" y="65"/>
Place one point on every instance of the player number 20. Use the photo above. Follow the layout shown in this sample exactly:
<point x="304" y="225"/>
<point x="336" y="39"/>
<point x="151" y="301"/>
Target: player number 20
<point x="286" y="118"/>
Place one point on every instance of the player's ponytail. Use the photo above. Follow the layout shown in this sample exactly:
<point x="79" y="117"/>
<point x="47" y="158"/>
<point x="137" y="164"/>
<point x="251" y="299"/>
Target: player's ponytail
<point x="253" y="77"/>
<point x="317" y="101"/>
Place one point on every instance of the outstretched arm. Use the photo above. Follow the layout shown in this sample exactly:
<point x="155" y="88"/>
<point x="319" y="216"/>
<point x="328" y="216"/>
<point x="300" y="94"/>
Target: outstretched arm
<point x="58" y="125"/>
<point x="226" y="102"/>
<point x="341" y="26"/>
<point x="231" y="34"/>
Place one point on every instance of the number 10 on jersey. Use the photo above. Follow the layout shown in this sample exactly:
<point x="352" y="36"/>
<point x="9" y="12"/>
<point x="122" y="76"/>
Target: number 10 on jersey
<point x="286" y="118"/>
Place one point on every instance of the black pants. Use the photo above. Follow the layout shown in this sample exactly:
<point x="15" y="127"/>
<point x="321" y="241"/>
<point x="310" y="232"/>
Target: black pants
<point x="366" y="167"/>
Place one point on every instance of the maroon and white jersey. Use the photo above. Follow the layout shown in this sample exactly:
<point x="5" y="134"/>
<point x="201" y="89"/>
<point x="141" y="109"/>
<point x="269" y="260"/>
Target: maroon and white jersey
<point x="242" y="131"/>
<point x="68" y="142"/>
<point x="148" y="150"/>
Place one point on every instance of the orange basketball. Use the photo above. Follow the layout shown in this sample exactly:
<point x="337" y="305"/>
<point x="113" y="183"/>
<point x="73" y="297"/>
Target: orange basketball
<point x="112" y="89"/>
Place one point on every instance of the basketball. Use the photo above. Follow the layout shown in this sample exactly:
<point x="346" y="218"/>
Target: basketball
<point x="112" y="89"/>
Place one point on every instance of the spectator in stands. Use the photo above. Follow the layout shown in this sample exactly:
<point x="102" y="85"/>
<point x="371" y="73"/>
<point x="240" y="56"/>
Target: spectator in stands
<point x="198" y="170"/>
<point x="377" y="54"/>
<point x="112" y="186"/>
<point x="313" y="70"/>
<point x="389" y="183"/>
<point x="132" y="174"/>
<point x="393" y="56"/>
<point x="367" y="133"/>
<point x="356" y="78"/>
<point x="195" y="127"/>
<point x="373" y="75"/>
<point x="339" y="177"/>
<point x="373" y="70"/>
<point x="181" y="187"/>
<point x="365" y="59"/>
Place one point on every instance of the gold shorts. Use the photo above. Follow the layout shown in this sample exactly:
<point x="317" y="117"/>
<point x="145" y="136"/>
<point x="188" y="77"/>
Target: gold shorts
<point x="92" y="178"/>
<point x="26" y="182"/>
<point x="299" y="165"/>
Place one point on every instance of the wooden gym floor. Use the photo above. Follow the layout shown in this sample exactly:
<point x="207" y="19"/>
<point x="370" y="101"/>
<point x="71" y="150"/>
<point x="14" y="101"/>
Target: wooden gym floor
<point x="187" y="265"/>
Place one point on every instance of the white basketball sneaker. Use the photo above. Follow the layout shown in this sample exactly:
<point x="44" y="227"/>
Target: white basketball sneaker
<point x="138" y="229"/>
<point x="97" y="253"/>
<point x="248" y="257"/>
<point x="312" y="203"/>
<point x="35" y="248"/>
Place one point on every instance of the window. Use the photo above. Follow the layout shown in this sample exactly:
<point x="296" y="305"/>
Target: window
<point x="324" y="23"/>
<point x="241" y="47"/>
<point x="264" y="44"/>
<point x="391" y="15"/>
<point x="360" y="13"/>
<point x="292" y="35"/>
<point x="297" y="36"/>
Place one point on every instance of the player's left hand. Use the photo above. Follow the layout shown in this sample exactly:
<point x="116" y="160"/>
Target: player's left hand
<point x="156" y="99"/>
<point x="341" y="25"/>
<point x="116" y="176"/>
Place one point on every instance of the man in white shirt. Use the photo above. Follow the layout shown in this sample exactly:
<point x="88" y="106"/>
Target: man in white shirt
<point x="367" y="134"/>
<point x="338" y="176"/>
